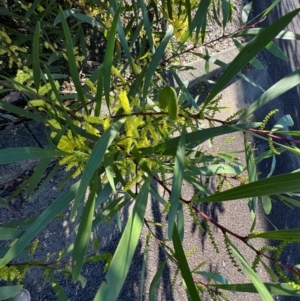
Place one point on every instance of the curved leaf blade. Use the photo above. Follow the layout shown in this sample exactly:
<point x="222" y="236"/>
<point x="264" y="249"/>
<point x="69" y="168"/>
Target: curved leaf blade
<point x="252" y="32"/>
<point x="83" y="236"/>
<point x="195" y="138"/>
<point x="155" y="282"/>
<point x="282" y="86"/>
<point x="246" y="11"/>
<point x="156" y="59"/>
<point x="275" y="50"/>
<point x="260" y="287"/>
<point x="279" y="289"/>
<point x="40" y="223"/>
<point x="16" y="154"/>
<point x="177" y="182"/>
<point x="71" y="60"/>
<point x="184" y="267"/>
<point x="249" y="52"/>
<point x="109" y="52"/>
<point x="93" y="162"/>
<point x="278" y="234"/>
<point x="119" y="267"/>
<point x="10" y="291"/>
<point x="10" y="233"/>
<point x="36" y="57"/>
<point x="269" y="186"/>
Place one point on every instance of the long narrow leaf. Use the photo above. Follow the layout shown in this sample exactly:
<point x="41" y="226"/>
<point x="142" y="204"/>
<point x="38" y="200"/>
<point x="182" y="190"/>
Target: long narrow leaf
<point x="156" y="59"/>
<point x="83" y="236"/>
<point x="273" y="92"/>
<point x="72" y="61"/>
<point x="177" y="182"/>
<point x="10" y="291"/>
<point x="275" y="50"/>
<point x="279" y="289"/>
<point x="89" y="20"/>
<point x="46" y="182"/>
<point x="59" y="292"/>
<point x="225" y="11"/>
<point x="147" y="25"/>
<point x="195" y="138"/>
<point x="93" y="162"/>
<point x="184" y="267"/>
<point x="245" y="12"/>
<point x="212" y="169"/>
<point x="251" y="170"/>
<point x="270" y="186"/>
<point x="268" y="10"/>
<point x="119" y="267"/>
<point x="36" y="57"/>
<point x="260" y="287"/>
<point x="254" y="62"/>
<point x="21" y="112"/>
<point x="37" y="175"/>
<point x="249" y="52"/>
<point x="16" y="154"/>
<point x="278" y="234"/>
<point x="22" y="255"/>
<point x="155" y="282"/>
<point x="40" y="223"/>
<point x="199" y="19"/>
<point x="252" y="32"/>
<point x="10" y="233"/>
<point x="224" y="65"/>
<point x="109" y="52"/>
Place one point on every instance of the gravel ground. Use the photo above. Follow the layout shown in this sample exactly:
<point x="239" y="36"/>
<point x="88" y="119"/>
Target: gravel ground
<point x="213" y="41"/>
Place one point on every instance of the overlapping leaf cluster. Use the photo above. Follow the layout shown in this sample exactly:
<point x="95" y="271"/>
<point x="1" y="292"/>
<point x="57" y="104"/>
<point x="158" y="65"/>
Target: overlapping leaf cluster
<point x="123" y="128"/>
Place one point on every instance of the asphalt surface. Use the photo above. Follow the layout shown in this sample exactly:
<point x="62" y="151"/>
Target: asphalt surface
<point x="289" y="103"/>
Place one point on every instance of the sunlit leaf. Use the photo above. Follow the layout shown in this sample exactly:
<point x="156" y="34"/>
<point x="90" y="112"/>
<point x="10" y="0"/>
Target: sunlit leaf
<point x="156" y="59"/>
<point x="270" y="186"/>
<point x="280" y="289"/>
<point x="258" y="284"/>
<point x="119" y="267"/>
<point x="275" y="50"/>
<point x="249" y="52"/>
<point x="282" y="86"/>
<point x="92" y="164"/>
<point x="246" y="11"/>
<point x="183" y="266"/>
<point x="177" y="182"/>
<point x="278" y="234"/>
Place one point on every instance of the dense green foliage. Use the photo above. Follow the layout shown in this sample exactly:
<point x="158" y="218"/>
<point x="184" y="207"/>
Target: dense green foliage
<point x="123" y="128"/>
